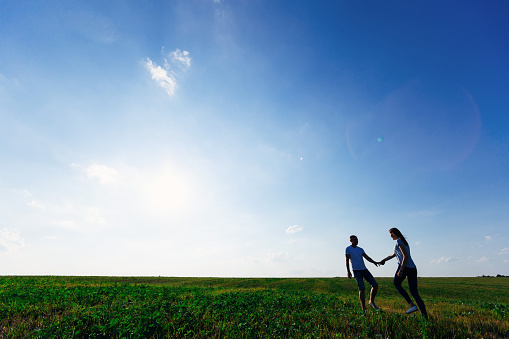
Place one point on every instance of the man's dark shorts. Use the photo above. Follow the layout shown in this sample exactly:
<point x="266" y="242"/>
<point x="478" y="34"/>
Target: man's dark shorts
<point x="364" y="274"/>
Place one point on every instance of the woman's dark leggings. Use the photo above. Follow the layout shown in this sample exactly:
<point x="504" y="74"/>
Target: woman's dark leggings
<point x="411" y="273"/>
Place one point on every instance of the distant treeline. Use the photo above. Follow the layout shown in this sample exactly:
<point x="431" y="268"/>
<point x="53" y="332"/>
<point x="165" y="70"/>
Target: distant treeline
<point x="491" y="276"/>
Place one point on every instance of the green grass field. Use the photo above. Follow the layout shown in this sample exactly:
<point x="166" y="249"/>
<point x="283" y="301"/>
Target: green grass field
<point x="158" y="307"/>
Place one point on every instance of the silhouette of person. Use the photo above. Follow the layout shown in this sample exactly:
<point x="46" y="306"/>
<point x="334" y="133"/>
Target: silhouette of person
<point x="355" y="255"/>
<point x="406" y="268"/>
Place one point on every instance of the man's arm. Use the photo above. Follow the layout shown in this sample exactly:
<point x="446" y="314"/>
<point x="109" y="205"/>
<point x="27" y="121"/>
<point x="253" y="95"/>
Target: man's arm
<point x="349" y="274"/>
<point x="369" y="259"/>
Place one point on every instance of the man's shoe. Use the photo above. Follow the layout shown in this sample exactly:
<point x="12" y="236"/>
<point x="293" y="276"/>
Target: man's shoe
<point x="373" y="305"/>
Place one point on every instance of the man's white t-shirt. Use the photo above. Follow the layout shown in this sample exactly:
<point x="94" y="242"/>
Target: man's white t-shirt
<point x="356" y="257"/>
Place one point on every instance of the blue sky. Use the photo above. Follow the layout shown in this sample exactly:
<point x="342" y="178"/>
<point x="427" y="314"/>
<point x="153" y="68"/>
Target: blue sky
<point x="252" y="138"/>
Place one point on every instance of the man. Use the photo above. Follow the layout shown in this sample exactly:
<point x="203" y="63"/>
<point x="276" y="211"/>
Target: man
<point x="355" y="254"/>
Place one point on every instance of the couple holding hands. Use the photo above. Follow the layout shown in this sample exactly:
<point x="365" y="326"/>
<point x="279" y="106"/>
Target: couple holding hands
<point x="406" y="268"/>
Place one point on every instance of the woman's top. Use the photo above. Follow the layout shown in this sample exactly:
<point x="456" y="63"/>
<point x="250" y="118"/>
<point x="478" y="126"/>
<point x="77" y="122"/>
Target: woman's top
<point x="399" y="255"/>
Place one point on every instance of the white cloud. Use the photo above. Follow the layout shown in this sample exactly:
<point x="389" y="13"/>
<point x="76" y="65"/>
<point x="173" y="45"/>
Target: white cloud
<point x="294" y="229"/>
<point x="166" y="76"/>
<point x="278" y="257"/>
<point x="488" y="237"/>
<point x="103" y="173"/>
<point x="483" y="259"/>
<point x="443" y="260"/>
<point x="11" y="239"/>
<point x="36" y="204"/>
<point x="162" y="77"/>
<point x="504" y="251"/>
<point x="180" y="57"/>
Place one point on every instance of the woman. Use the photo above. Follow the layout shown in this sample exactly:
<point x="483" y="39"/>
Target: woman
<point x="406" y="268"/>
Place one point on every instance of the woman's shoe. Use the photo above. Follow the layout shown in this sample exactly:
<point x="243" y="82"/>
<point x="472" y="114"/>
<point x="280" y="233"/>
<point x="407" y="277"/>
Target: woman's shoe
<point x="412" y="310"/>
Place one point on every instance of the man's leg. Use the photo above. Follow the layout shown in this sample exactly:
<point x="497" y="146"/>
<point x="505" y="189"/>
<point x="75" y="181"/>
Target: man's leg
<point x="362" y="298"/>
<point x="372" y="295"/>
<point x="374" y="288"/>
<point x="360" y="284"/>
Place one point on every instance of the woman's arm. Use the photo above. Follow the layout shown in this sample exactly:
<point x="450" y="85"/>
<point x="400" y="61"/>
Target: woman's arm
<point x="387" y="259"/>
<point x="405" y="256"/>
